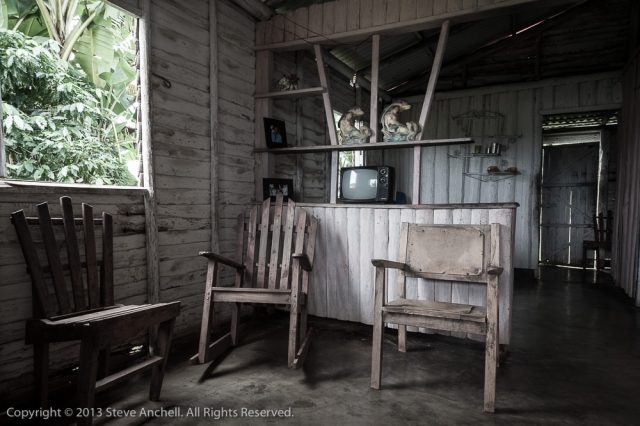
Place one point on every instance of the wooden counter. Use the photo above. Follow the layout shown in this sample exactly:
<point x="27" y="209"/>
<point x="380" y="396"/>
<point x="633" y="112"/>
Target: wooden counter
<point x="350" y="235"/>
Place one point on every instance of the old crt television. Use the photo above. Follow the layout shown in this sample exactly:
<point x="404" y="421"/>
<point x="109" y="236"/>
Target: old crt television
<point x="368" y="184"/>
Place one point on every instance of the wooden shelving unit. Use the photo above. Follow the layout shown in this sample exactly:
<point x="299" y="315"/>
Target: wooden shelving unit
<point x="264" y="63"/>
<point x="364" y="146"/>
<point x="299" y="93"/>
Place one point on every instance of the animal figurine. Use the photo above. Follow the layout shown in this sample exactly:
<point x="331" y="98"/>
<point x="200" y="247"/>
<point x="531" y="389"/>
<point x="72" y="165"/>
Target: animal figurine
<point x="392" y="129"/>
<point x="288" y="82"/>
<point x="348" y="133"/>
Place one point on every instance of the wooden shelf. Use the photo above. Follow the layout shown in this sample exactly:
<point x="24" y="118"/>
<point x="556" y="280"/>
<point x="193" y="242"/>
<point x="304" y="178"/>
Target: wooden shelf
<point x="364" y="146"/>
<point x="474" y="155"/>
<point x="492" y="177"/>
<point x="299" y="93"/>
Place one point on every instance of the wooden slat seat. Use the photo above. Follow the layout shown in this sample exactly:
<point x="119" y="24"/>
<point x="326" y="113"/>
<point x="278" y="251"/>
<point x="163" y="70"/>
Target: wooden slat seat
<point x="438" y="309"/>
<point x="459" y="253"/>
<point x="274" y="258"/>
<point x="87" y="313"/>
<point x="115" y="315"/>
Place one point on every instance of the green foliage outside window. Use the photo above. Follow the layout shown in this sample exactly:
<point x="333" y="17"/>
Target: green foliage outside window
<point x="68" y="85"/>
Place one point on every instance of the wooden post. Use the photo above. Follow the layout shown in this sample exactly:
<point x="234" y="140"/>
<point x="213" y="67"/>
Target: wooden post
<point x="375" y="68"/>
<point x="150" y="208"/>
<point x="264" y="65"/>
<point x="334" y="177"/>
<point x="426" y="109"/>
<point x="433" y="78"/>
<point x="3" y="159"/>
<point x="331" y="124"/>
<point x="298" y="185"/>
<point x="213" y="111"/>
<point x="324" y="82"/>
<point x="417" y="169"/>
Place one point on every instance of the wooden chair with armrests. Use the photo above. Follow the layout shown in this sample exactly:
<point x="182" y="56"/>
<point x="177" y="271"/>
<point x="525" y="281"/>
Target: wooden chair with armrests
<point x="266" y="272"/>
<point x="461" y="253"/>
<point x="87" y="313"/>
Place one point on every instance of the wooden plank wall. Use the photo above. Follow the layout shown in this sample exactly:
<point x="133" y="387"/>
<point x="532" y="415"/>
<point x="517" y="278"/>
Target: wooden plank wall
<point x="182" y="140"/>
<point x="522" y="108"/>
<point x="181" y="146"/>
<point x="350" y="236"/>
<point x="343" y="19"/>
<point x="626" y="237"/>
<point x="130" y="270"/>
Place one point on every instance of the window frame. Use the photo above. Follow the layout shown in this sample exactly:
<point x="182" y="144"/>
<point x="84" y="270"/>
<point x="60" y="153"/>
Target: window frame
<point x="143" y="15"/>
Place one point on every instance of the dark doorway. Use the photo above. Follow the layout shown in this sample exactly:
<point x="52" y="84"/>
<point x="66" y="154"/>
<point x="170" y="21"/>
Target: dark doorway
<point x="569" y="198"/>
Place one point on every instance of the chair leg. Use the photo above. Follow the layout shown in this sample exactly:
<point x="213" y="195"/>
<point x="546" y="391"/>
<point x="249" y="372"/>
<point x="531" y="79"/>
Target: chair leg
<point x="402" y="338"/>
<point x="205" y="327"/>
<point x="87" y="374"/>
<point x="491" y="360"/>
<point x="235" y="320"/>
<point x="103" y="362"/>
<point x="163" y="344"/>
<point x="41" y="371"/>
<point x="303" y="323"/>
<point x="294" y="317"/>
<point x="376" y="351"/>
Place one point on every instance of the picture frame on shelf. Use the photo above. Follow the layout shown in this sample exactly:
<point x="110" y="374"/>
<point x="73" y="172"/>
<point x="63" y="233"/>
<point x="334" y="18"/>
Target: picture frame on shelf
<point x="273" y="186"/>
<point x="275" y="133"/>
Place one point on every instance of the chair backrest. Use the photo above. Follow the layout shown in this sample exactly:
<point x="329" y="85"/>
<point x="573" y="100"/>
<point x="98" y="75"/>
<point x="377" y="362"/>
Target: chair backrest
<point x="602" y="226"/>
<point x="450" y="252"/>
<point x="267" y="239"/>
<point x="51" y="278"/>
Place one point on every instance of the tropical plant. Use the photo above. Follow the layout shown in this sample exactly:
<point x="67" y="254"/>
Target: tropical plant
<point x="97" y="39"/>
<point x="53" y="123"/>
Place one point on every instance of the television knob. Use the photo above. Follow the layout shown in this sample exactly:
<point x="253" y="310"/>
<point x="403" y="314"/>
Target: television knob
<point x="383" y="171"/>
<point x="383" y="180"/>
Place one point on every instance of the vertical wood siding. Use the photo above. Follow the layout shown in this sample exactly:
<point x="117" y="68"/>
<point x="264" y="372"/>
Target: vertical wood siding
<point x="335" y="19"/>
<point x="522" y="109"/>
<point x="626" y="237"/>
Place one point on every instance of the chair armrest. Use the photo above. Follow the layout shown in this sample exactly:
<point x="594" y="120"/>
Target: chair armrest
<point x="389" y="264"/>
<point x="304" y="261"/>
<point x="494" y="270"/>
<point x="216" y="257"/>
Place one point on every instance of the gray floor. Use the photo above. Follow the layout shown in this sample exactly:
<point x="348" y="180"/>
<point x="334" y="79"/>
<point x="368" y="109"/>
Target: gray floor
<point x="574" y="360"/>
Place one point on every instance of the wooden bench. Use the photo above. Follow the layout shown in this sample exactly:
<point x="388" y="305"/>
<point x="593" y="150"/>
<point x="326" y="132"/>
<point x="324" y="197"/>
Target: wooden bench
<point x="88" y="313"/>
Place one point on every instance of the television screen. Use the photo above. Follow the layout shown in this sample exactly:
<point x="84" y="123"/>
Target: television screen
<point x="360" y="184"/>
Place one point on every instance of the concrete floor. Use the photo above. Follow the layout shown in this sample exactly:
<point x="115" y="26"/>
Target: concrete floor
<point x="574" y="360"/>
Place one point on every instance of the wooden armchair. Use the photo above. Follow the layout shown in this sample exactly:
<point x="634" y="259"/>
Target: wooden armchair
<point x="462" y="253"/>
<point x="87" y="313"/>
<point x="266" y="273"/>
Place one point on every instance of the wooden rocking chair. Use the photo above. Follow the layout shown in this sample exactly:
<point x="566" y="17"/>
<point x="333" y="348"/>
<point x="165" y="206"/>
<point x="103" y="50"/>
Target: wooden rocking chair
<point x="90" y="316"/>
<point x="463" y="253"/>
<point x="266" y="273"/>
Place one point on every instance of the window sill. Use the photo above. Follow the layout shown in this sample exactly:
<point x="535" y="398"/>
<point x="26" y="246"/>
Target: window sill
<point x="67" y="188"/>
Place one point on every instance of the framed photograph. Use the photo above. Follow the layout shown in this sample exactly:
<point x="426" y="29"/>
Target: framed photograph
<point x="273" y="187"/>
<point x="275" y="133"/>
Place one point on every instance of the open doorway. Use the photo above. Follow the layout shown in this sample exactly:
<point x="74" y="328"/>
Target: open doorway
<point x="576" y="191"/>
